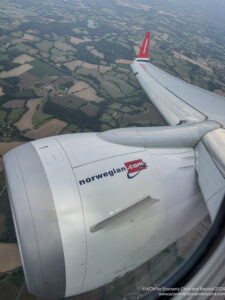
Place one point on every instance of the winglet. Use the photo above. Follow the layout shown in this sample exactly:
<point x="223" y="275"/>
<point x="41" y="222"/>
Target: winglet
<point x="144" y="52"/>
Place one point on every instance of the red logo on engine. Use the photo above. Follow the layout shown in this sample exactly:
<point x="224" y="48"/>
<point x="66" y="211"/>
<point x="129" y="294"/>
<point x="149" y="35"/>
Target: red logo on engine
<point x="135" y="166"/>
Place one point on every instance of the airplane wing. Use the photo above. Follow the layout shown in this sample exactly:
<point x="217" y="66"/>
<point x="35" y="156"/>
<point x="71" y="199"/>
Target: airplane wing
<point x="177" y="100"/>
<point x="182" y="103"/>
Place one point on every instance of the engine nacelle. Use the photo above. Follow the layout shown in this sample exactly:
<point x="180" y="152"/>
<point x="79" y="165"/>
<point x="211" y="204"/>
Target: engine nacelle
<point x="87" y="211"/>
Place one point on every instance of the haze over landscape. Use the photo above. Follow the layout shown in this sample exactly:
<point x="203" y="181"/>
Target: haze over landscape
<point x="65" y="68"/>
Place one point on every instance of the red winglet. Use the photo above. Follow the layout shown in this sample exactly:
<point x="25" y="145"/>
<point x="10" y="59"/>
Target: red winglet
<point x="144" y="52"/>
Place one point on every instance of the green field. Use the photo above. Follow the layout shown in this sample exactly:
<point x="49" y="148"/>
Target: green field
<point x="22" y="47"/>
<point x="72" y="128"/>
<point x="39" y="117"/>
<point x="25" y="94"/>
<point x="42" y="69"/>
<point x="15" y="115"/>
<point x="44" y="45"/>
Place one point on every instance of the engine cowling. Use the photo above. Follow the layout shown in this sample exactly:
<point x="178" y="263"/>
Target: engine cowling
<point x="87" y="211"/>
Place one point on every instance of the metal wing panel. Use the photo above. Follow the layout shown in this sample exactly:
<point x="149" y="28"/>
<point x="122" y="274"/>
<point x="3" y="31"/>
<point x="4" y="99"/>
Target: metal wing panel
<point x="170" y="106"/>
<point x="176" y="99"/>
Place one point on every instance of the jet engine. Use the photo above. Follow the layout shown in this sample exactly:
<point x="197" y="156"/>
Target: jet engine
<point x="88" y="208"/>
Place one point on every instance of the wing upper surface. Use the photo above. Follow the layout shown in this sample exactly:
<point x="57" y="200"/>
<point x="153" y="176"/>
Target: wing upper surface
<point x="176" y="99"/>
<point x="180" y="102"/>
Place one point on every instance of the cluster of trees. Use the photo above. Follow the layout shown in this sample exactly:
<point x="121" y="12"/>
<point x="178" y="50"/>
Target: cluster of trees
<point x="7" y="62"/>
<point x="9" y="234"/>
<point x="112" y="51"/>
<point x="68" y="115"/>
<point x="10" y="87"/>
<point x="83" y="54"/>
